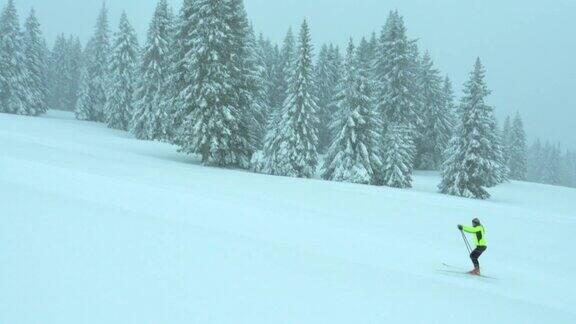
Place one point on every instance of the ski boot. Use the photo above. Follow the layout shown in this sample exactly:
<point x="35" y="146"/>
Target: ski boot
<point x="475" y="272"/>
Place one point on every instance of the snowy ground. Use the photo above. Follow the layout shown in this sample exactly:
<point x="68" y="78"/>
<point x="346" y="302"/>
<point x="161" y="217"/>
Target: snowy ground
<point x="96" y="227"/>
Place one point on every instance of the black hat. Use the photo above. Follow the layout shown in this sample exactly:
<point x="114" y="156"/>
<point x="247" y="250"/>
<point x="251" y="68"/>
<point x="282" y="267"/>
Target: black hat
<point x="476" y="221"/>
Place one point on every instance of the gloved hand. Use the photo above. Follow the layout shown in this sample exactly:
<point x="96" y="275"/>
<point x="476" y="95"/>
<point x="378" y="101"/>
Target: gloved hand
<point x="460" y="227"/>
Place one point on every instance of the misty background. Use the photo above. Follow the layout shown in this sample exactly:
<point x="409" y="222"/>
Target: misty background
<point x="526" y="46"/>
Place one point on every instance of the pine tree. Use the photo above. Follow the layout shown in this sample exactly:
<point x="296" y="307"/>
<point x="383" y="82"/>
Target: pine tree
<point x="395" y="73"/>
<point x="498" y="172"/>
<point x="74" y="69"/>
<point x="372" y="51"/>
<point x="397" y="99"/>
<point x="14" y="75"/>
<point x="247" y="72"/>
<point x="148" y="117"/>
<point x="507" y="140"/>
<point x="93" y="93"/>
<point x="57" y="73"/>
<point x="327" y="75"/>
<point x="449" y="105"/>
<point x="324" y="92"/>
<point x="470" y="156"/>
<point x="217" y="126"/>
<point x="353" y="156"/>
<point x="292" y="150"/>
<point x="438" y="118"/>
<point x="257" y="87"/>
<point x="119" y="105"/>
<point x="398" y="155"/>
<point x="270" y="59"/>
<point x="556" y="171"/>
<point x="551" y="165"/>
<point x="416" y="70"/>
<point x="288" y="58"/>
<point x="273" y="72"/>
<point x="179" y="97"/>
<point x="517" y="150"/>
<point x="35" y="56"/>
<point x="535" y="162"/>
<point x="267" y="161"/>
<point x="382" y="61"/>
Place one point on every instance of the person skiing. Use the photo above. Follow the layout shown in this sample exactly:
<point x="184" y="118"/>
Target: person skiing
<point x="480" y="239"/>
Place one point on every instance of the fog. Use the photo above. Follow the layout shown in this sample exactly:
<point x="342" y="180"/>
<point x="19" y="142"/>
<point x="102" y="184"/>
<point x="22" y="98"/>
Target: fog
<point x="526" y="46"/>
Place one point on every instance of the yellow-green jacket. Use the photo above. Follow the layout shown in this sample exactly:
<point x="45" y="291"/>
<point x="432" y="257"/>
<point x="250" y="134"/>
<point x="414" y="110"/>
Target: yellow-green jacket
<point x="478" y="231"/>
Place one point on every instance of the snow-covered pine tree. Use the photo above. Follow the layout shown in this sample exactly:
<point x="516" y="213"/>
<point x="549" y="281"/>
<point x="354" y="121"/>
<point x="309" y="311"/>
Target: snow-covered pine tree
<point x="287" y="62"/>
<point x="395" y="73"/>
<point x="506" y="139"/>
<point x="438" y="117"/>
<point x="517" y="150"/>
<point x="257" y="88"/>
<point x="217" y="126"/>
<point x="551" y="164"/>
<point x="555" y="162"/>
<point x="498" y="172"/>
<point x="272" y="62"/>
<point x="87" y="53"/>
<point x="166" y="106"/>
<point x="148" y="117"/>
<point x="566" y="169"/>
<point x="35" y="55"/>
<point x="64" y="73"/>
<point x="292" y="150"/>
<point x="450" y="106"/>
<point x="324" y="93"/>
<point x="416" y="68"/>
<point x="398" y="151"/>
<point x="74" y="68"/>
<point x="86" y="97"/>
<point x="92" y="103"/>
<point x="120" y="99"/>
<point x="14" y="75"/>
<point x="246" y="69"/>
<point x="284" y="71"/>
<point x="327" y="76"/>
<point x="266" y="162"/>
<point x="547" y="175"/>
<point x="381" y="59"/>
<point x="535" y="162"/>
<point x="46" y="73"/>
<point x="58" y="73"/>
<point x="353" y="155"/>
<point x="336" y="63"/>
<point x="373" y="50"/>
<point x="470" y="157"/>
<point x="179" y="97"/>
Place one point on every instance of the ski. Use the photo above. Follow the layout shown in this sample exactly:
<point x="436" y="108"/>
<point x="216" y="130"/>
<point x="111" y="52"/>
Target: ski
<point x="459" y="270"/>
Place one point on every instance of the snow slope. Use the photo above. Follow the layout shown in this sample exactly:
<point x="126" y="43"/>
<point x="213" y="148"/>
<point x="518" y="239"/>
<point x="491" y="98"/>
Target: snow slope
<point x="96" y="227"/>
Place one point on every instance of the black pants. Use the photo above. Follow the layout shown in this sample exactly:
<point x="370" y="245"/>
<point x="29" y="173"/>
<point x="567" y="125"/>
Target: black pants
<point x="476" y="254"/>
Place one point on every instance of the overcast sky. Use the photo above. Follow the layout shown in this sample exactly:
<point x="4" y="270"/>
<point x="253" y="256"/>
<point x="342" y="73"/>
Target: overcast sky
<point x="527" y="46"/>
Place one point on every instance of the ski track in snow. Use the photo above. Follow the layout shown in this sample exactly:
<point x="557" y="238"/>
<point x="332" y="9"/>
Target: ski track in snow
<point x="97" y="227"/>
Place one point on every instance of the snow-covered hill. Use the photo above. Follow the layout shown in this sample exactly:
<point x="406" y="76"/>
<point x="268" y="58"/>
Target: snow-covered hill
<point x="96" y="227"/>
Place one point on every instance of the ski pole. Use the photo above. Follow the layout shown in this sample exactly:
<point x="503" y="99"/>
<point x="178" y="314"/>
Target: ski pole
<point x="466" y="242"/>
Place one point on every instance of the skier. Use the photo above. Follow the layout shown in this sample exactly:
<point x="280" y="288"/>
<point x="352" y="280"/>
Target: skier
<point x="480" y="239"/>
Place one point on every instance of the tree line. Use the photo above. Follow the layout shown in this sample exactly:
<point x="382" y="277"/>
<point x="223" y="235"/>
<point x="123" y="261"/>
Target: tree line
<point x="206" y="83"/>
